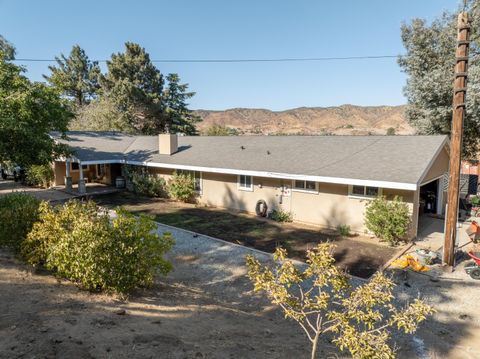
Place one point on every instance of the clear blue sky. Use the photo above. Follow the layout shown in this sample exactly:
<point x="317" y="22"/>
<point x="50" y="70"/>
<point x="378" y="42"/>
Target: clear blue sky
<point x="235" y="29"/>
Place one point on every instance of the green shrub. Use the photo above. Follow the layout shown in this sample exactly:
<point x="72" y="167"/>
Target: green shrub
<point x="18" y="212"/>
<point x="391" y="131"/>
<point x="475" y="201"/>
<point x="343" y="230"/>
<point x="146" y="183"/>
<point x="80" y="242"/>
<point x="40" y="175"/>
<point x="279" y="215"/>
<point x="388" y="220"/>
<point x="182" y="187"/>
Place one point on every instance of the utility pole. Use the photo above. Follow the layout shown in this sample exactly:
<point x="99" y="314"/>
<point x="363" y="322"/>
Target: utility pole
<point x="459" y="95"/>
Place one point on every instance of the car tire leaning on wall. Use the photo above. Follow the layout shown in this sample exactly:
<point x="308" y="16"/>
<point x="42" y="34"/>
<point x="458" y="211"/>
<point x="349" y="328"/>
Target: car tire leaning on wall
<point x="261" y="208"/>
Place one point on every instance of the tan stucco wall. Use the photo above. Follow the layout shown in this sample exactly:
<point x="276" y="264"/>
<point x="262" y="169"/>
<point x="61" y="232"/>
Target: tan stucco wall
<point x="222" y="191"/>
<point x="59" y="171"/>
<point x="329" y="207"/>
<point x="439" y="167"/>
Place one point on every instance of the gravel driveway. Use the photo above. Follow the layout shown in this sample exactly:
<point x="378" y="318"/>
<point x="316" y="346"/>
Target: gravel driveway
<point x="218" y="267"/>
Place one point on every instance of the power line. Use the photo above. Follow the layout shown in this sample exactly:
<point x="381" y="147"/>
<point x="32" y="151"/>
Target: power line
<point x="299" y="59"/>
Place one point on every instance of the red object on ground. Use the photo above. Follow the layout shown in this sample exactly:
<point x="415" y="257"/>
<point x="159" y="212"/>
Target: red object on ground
<point x="475" y="256"/>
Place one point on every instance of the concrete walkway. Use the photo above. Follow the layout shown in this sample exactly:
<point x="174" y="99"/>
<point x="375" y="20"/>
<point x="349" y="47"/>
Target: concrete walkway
<point x="431" y="234"/>
<point x="55" y="194"/>
<point x="50" y="195"/>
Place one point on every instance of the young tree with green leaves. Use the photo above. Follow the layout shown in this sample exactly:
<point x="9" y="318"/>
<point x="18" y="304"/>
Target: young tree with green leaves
<point x="429" y="64"/>
<point x="179" y="118"/>
<point x="28" y="113"/>
<point x="75" y="76"/>
<point x="322" y="301"/>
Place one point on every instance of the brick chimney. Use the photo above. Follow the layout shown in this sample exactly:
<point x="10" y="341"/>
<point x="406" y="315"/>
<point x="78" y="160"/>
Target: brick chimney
<point x="167" y="143"/>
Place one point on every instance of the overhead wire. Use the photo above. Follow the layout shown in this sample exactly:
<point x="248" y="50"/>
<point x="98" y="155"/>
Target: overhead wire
<point x="292" y="59"/>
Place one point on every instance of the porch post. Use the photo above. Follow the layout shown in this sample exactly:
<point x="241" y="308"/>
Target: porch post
<point x="81" y="181"/>
<point x="68" y="178"/>
<point x="440" y="185"/>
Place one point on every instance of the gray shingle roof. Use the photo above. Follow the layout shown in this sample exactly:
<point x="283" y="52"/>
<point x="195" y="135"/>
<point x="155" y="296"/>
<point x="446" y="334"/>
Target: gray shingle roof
<point x="401" y="159"/>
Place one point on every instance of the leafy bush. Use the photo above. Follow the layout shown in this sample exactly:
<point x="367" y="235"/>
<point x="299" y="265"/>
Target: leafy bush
<point x="475" y="201"/>
<point x="40" y="175"/>
<point x="388" y="220"/>
<point x="279" y="215"/>
<point x="82" y="243"/>
<point x="182" y="187"/>
<point x="343" y="230"/>
<point x="18" y="212"/>
<point x="145" y="183"/>
<point x="391" y="131"/>
<point x="220" y="130"/>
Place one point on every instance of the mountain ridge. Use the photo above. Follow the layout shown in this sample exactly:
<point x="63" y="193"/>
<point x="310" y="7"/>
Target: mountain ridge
<point x="344" y="119"/>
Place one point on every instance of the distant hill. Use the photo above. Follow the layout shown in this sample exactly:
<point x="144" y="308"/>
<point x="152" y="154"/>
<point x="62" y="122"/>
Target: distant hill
<point x="341" y="120"/>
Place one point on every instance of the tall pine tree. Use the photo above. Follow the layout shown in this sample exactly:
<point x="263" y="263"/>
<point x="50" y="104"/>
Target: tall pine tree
<point x="135" y="86"/>
<point x="75" y="76"/>
<point x="179" y="118"/>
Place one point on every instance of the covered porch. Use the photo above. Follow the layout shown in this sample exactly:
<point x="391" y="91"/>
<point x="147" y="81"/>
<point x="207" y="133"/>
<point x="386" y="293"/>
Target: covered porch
<point x="82" y="178"/>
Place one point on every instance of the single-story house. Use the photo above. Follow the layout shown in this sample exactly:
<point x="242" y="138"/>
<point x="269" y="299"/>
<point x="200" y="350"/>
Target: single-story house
<point x="321" y="180"/>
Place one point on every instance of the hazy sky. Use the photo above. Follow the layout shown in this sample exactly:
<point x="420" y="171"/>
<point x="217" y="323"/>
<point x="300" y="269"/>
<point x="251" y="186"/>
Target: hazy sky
<point x="213" y="29"/>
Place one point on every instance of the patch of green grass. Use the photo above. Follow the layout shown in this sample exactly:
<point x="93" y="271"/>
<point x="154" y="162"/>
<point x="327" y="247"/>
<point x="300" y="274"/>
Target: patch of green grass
<point x="257" y="232"/>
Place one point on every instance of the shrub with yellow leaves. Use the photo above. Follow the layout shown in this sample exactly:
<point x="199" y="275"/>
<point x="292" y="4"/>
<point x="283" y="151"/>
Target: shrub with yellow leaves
<point x="322" y="300"/>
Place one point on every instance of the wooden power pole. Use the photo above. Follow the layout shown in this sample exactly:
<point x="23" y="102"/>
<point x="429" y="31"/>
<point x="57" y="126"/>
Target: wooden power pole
<point x="459" y="95"/>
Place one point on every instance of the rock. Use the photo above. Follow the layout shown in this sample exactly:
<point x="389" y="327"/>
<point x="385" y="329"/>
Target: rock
<point x="120" y="312"/>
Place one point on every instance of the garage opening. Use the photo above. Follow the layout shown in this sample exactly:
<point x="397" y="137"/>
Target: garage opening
<point x="429" y="198"/>
<point x="431" y="209"/>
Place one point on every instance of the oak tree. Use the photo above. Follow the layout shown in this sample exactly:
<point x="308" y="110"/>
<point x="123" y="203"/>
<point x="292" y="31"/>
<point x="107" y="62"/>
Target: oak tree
<point x="429" y="64"/>
<point x="29" y="111"/>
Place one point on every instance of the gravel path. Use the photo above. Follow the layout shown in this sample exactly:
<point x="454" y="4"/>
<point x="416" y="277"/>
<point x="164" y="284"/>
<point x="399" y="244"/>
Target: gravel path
<point x="454" y="331"/>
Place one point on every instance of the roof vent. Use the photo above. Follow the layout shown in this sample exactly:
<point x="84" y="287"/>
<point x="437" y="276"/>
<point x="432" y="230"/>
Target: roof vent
<point x="167" y="143"/>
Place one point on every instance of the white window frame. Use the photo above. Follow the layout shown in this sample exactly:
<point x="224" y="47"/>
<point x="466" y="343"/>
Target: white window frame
<point x="243" y="188"/>
<point x="195" y="177"/>
<point x="84" y="167"/>
<point x="364" y="196"/>
<point x="305" y="189"/>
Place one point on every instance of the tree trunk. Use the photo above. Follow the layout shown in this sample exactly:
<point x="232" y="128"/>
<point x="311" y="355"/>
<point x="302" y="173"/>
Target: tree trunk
<point x="314" y="345"/>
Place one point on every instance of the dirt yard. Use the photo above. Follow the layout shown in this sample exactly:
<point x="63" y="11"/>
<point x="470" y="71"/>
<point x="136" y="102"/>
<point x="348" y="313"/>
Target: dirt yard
<point x="42" y="317"/>
<point x="205" y="308"/>
<point x="359" y="255"/>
